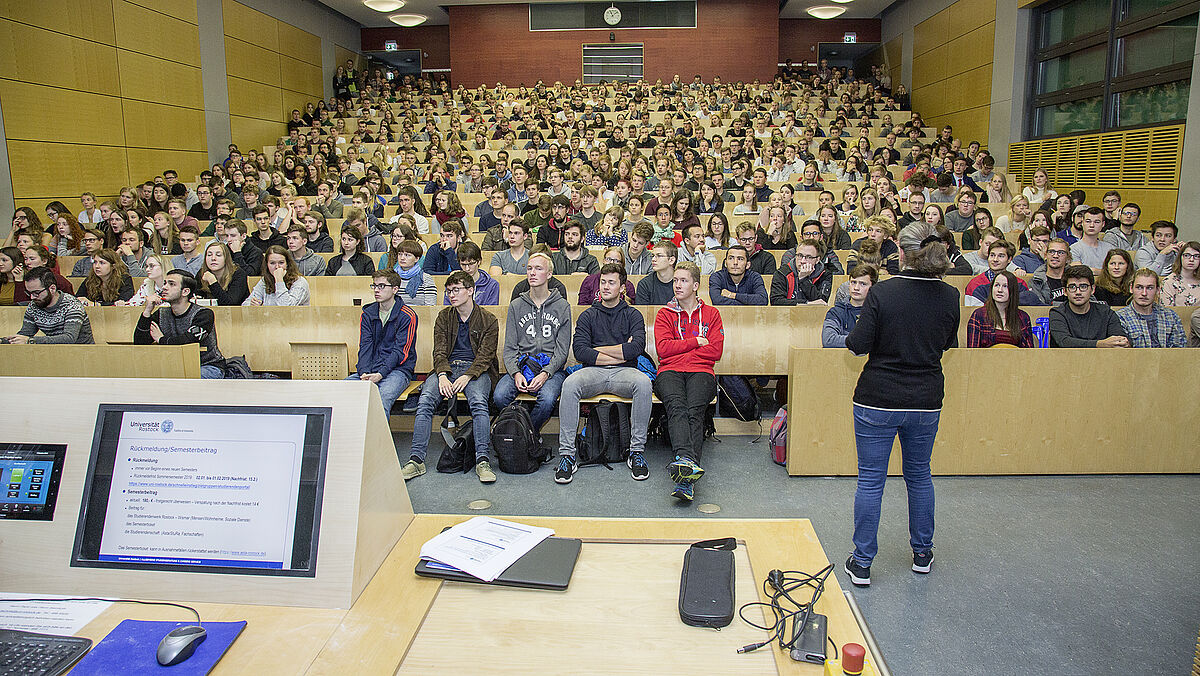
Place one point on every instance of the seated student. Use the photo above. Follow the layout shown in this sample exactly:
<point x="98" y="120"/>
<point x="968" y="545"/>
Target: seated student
<point x="489" y="187"/>
<point x="1182" y="286"/>
<point x="979" y="259"/>
<point x="572" y="258"/>
<point x="1034" y="258"/>
<point x="761" y="261"/>
<point x="609" y="337"/>
<point x="841" y="318"/>
<point x="657" y="287"/>
<point x="487" y="290"/>
<point x="999" y="254"/>
<point x="1000" y="320"/>
<point x="373" y="240"/>
<point x="511" y="261"/>
<point x="353" y="259"/>
<point x="387" y="339"/>
<point x="537" y="341"/>
<point x="221" y="278"/>
<point x="550" y="234"/>
<point x="416" y="287"/>
<point x="281" y="282"/>
<point x="190" y="258"/>
<point x="1147" y="323"/>
<point x="315" y="230"/>
<point x="692" y="249"/>
<point x="93" y="242"/>
<point x="664" y="229"/>
<point x="1123" y="235"/>
<point x="777" y="236"/>
<point x="174" y="319"/>
<point x="464" y="360"/>
<point x="881" y="231"/>
<point x="1114" y="284"/>
<point x="1159" y="253"/>
<point x="409" y="200"/>
<point x="496" y="237"/>
<point x="540" y="213"/>
<point x="1081" y="323"/>
<point x="36" y="256"/>
<point x="637" y="255"/>
<point x="689" y="339"/>
<point x="608" y="231"/>
<point x="309" y="263"/>
<point x="1090" y="250"/>
<point x="736" y="283"/>
<point x="246" y="255"/>
<point x="491" y="217"/>
<point x="587" y="215"/>
<point x="155" y="269"/>
<point x="442" y="258"/>
<point x="108" y="282"/>
<point x="589" y="288"/>
<point x="57" y="314"/>
<point x="1048" y="282"/>
<point x="133" y="250"/>
<point x="265" y="236"/>
<point x="802" y="280"/>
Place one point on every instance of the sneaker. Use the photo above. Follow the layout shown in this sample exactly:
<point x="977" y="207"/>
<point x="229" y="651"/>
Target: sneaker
<point x="684" y="470"/>
<point x="484" y="470"/>
<point x="684" y="490"/>
<point x="566" y="469"/>
<point x="859" y="575"/>
<point x="637" y="466"/>
<point x="922" y="563"/>
<point x="412" y="469"/>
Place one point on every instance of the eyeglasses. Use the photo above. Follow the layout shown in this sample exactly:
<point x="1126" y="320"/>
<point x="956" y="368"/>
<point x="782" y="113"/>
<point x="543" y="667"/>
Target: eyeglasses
<point x="805" y="257"/>
<point x="91" y="239"/>
<point x="35" y="293"/>
<point x="1078" y="287"/>
<point x="380" y="287"/>
<point x="1056" y="253"/>
<point x="1190" y="256"/>
<point x="451" y="290"/>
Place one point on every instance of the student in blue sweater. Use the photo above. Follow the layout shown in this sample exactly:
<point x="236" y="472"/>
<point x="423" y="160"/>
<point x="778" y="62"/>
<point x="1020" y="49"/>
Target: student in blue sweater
<point x="841" y="318"/>
<point x="387" y="339"/>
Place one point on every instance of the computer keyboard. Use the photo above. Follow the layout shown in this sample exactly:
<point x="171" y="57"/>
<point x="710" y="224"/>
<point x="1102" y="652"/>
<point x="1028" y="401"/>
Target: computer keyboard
<point x="24" y="653"/>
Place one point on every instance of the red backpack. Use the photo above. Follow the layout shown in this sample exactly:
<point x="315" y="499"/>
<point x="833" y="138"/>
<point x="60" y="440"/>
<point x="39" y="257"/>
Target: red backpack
<point x="777" y="438"/>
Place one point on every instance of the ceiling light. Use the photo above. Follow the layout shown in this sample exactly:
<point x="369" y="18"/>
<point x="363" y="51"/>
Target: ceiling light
<point x="410" y="20"/>
<point x="384" y="5"/>
<point x="826" y="11"/>
<point x="842" y="2"/>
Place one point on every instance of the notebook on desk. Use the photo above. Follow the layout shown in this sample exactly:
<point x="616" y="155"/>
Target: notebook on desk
<point x="548" y="565"/>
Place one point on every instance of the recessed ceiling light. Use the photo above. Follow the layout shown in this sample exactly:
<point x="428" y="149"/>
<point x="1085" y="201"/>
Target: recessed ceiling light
<point x="826" y="11"/>
<point x="410" y="20"/>
<point x="384" y="5"/>
<point x="842" y="2"/>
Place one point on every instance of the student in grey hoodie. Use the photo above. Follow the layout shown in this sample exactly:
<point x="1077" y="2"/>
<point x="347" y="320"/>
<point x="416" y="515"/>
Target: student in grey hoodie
<point x="537" y="340"/>
<point x="310" y="264"/>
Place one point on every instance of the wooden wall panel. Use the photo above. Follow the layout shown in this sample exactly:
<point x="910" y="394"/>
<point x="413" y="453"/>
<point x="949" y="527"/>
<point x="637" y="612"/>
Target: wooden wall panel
<point x="931" y="32"/>
<point x="148" y="32"/>
<point x="86" y="19"/>
<point x="250" y="25"/>
<point x="300" y="76"/>
<point x="965" y="15"/>
<point x="184" y="10"/>
<point x="251" y="62"/>
<point x="251" y="132"/>
<point x="155" y="125"/>
<point x="299" y="44"/>
<point x="37" y="113"/>
<point x="294" y="100"/>
<point x="340" y="53"/>
<point x="952" y="68"/>
<point x="149" y="79"/>
<point x="971" y="50"/>
<point x="144" y="163"/>
<point x="49" y="169"/>
<point x="40" y="56"/>
<point x="251" y="99"/>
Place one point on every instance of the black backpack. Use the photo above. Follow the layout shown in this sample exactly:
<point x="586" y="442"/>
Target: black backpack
<point x="518" y="448"/>
<point x="737" y="397"/>
<point x="605" y="439"/>
<point x="659" y="429"/>
<point x="459" y="452"/>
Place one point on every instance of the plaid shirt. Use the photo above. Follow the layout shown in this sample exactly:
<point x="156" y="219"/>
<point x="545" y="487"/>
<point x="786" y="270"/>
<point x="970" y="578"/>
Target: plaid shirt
<point x="981" y="332"/>
<point x="1163" y="321"/>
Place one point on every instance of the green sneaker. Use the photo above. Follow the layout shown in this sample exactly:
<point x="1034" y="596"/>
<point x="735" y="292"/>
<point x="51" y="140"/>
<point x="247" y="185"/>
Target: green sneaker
<point x="484" y="470"/>
<point x="412" y="469"/>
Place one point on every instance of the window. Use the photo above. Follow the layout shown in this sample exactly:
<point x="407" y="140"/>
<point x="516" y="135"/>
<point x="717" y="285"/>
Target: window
<point x="1106" y="64"/>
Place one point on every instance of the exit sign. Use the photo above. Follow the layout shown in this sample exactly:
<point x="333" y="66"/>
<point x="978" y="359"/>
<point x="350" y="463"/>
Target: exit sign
<point x="392" y="45"/>
<point x="850" y="37"/>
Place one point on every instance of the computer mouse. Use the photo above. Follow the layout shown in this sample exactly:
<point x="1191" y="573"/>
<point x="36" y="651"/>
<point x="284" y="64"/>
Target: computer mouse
<point x="180" y="643"/>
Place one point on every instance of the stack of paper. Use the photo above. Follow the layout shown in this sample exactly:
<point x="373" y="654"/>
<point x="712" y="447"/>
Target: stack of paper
<point x="483" y="547"/>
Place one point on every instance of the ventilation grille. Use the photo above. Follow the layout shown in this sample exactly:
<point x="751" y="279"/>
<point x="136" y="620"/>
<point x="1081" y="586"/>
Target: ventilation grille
<point x="1142" y="158"/>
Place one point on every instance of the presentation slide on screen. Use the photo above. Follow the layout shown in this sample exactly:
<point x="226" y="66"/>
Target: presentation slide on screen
<point x="204" y="489"/>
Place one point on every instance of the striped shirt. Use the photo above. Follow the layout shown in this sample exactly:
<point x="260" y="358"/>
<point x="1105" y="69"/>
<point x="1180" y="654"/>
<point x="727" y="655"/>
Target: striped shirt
<point x="64" y="322"/>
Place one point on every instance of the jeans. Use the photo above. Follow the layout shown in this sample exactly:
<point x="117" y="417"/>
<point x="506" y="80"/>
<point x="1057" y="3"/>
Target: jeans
<point x="477" y="391"/>
<point x="390" y="387"/>
<point x="686" y="397"/>
<point x="623" y="381"/>
<point x="212" y="372"/>
<point x="547" y="397"/>
<point x="874" y="432"/>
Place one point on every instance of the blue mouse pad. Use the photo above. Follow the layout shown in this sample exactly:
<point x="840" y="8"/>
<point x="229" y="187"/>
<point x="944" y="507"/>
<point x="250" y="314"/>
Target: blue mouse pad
<point x="132" y="648"/>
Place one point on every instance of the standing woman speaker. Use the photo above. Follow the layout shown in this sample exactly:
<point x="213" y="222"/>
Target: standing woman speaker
<point x="907" y="322"/>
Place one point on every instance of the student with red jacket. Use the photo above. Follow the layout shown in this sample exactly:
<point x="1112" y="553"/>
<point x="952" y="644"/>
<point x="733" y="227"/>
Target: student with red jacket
<point x="689" y="338"/>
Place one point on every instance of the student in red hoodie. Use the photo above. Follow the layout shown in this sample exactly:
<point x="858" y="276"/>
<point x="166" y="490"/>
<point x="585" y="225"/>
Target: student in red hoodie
<point x="689" y="338"/>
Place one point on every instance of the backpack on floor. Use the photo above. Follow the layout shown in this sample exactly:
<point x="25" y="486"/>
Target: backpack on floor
<point x="518" y="448"/>
<point x="605" y="438"/>
<point x="738" y="397"/>
<point x="459" y="452"/>
<point x="659" y="429"/>
<point x="777" y="438"/>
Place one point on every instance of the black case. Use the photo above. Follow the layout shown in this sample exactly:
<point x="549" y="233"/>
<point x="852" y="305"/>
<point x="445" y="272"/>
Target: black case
<point x="706" y="584"/>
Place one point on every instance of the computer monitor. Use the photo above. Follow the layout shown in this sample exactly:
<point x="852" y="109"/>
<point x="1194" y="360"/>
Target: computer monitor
<point x="29" y="476"/>
<point x="215" y="489"/>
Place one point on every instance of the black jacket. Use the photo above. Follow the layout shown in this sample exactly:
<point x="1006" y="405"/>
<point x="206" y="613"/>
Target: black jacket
<point x="599" y="325"/>
<point x="361" y="262"/>
<point x="787" y="288"/>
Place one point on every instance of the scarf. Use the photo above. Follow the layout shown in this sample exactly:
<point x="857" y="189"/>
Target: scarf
<point x="412" y="278"/>
<point x="667" y="233"/>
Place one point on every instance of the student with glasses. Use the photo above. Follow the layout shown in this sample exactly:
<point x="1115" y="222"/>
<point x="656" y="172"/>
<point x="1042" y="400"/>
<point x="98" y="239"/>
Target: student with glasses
<point x="1081" y="323"/>
<point x="93" y="242"/>
<point x="1048" y="281"/>
<point x="58" y="315"/>
<point x="387" y="339"/>
<point x="657" y="288"/>
<point x="804" y="279"/>
<point x="760" y="260"/>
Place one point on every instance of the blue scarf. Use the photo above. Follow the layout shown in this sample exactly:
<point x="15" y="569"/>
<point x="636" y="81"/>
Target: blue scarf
<point x="412" y="277"/>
